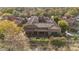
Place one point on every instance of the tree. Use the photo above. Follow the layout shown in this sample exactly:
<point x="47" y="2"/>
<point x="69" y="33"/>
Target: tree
<point x="56" y="19"/>
<point x="7" y="26"/>
<point x="7" y="10"/>
<point x="63" y="24"/>
<point x="14" y="38"/>
<point x="72" y="11"/>
<point x="6" y="14"/>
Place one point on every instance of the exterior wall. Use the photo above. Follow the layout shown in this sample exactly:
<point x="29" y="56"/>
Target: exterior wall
<point x="37" y="34"/>
<point x="31" y="33"/>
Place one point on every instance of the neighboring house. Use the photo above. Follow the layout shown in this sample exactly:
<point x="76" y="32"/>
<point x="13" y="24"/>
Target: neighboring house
<point x="77" y="23"/>
<point x="17" y="20"/>
<point x="73" y="22"/>
<point x="70" y="20"/>
<point x="41" y="27"/>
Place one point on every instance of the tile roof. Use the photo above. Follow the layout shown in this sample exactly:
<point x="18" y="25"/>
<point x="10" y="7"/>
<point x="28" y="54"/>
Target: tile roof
<point x="50" y="24"/>
<point x="43" y="25"/>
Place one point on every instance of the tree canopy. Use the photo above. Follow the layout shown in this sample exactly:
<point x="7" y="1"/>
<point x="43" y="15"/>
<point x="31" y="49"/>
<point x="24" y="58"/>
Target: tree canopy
<point x="63" y="24"/>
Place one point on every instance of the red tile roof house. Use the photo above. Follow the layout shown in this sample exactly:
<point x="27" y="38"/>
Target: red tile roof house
<point x="41" y="26"/>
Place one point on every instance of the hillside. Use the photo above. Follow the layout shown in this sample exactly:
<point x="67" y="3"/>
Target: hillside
<point x="38" y="29"/>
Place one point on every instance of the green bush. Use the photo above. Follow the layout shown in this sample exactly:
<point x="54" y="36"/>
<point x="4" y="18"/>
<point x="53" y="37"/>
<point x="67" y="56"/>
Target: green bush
<point x="1" y="36"/>
<point x="75" y="37"/>
<point x="58" y="43"/>
<point x="39" y="40"/>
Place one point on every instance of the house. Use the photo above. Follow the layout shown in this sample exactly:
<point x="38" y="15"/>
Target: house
<point x="41" y="26"/>
<point x="77" y="23"/>
<point x="73" y="22"/>
<point x="70" y="20"/>
<point x="17" y="20"/>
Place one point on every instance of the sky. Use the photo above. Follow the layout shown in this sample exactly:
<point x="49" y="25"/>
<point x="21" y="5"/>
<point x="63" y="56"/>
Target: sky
<point x="39" y="3"/>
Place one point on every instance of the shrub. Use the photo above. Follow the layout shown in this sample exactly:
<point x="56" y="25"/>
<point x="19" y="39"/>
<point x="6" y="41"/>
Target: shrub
<point x="58" y="43"/>
<point x="1" y="36"/>
<point x="40" y="40"/>
<point x="75" y="37"/>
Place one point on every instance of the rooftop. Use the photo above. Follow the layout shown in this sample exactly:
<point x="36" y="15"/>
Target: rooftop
<point x="41" y="22"/>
